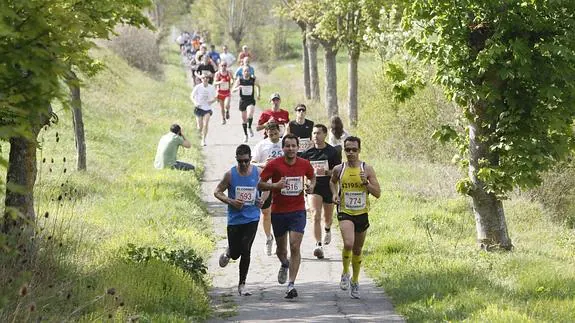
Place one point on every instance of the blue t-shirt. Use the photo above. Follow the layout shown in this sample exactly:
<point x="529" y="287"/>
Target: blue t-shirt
<point x="240" y="71"/>
<point x="244" y="188"/>
<point x="215" y="56"/>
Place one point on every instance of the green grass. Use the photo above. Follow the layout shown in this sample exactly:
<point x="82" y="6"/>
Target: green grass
<point x="421" y="244"/>
<point x="121" y="199"/>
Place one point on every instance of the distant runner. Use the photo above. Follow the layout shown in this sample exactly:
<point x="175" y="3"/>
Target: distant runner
<point x="351" y="184"/>
<point x="275" y="115"/>
<point x="203" y="96"/>
<point x="223" y="82"/>
<point x="301" y="127"/>
<point x="249" y="92"/>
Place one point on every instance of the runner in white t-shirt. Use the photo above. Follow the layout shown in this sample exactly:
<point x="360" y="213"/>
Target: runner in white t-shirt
<point x="266" y="150"/>
<point x="203" y="96"/>
<point x="227" y="57"/>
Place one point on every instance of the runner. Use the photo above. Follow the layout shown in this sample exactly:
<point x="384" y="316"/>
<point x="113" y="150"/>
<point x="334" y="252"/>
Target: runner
<point x="243" y="212"/>
<point x="323" y="157"/>
<point x="206" y="67"/>
<point x="223" y="82"/>
<point x="227" y="57"/>
<point x="264" y="151"/>
<point x="336" y="133"/>
<point x="203" y="95"/>
<point x="288" y="210"/>
<point x="245" y="63"/>
<point x="275" y="114"/>
<point x="301" y="127"/>
<point x="247" y="85"/>
<point x="351" y="184"/>
<point x="244" y="53"/>
<point x="214" y="55"/>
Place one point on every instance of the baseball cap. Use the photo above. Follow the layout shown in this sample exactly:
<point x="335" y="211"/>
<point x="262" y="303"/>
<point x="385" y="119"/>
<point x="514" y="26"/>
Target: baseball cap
<point x="275" y="96"/>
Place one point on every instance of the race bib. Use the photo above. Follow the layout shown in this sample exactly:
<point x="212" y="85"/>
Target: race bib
<point x="304" y="144"/>
<point x="225" y="86"/>
<point x="275" y="153"/>
<point x="320" y="167"/>
<point x="355" y="200"/>
<point x="246" y="194"/>
<point x="247" y="89"/>
<point x="293" y="187"/>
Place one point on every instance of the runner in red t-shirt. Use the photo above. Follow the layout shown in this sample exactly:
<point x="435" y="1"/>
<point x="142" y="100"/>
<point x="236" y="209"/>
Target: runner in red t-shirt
<point x="223" y="82"/>
<point x="275" y="114"/>
<point x="288" y="207"/>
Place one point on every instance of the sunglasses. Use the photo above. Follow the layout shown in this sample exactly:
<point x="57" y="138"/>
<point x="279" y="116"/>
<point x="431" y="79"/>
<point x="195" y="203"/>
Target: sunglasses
<point x="300" y="110"/>
<point x="243" y="161"/>
<point x="349" y="150"/>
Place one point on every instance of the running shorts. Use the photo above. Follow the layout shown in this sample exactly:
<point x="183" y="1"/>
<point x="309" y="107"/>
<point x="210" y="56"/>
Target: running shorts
<point x="245" y="103"/>
<point x="360" y="222"/>
<point x="290" y="221"/>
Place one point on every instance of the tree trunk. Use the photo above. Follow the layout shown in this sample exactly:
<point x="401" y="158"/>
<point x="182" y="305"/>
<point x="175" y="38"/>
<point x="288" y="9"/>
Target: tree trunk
<point x="352" y="87"/>
<point x="312" y="46"/>
<point x="79" y="138"/>
<point x="305" y="57"/>
<point x="331" y="105"/>
<point x="488" y="211"/>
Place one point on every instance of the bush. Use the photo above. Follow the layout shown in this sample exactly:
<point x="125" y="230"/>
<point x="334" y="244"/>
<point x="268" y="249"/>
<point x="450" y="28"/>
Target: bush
<point x="557" y="194"/>
<point x="139" y="48"/>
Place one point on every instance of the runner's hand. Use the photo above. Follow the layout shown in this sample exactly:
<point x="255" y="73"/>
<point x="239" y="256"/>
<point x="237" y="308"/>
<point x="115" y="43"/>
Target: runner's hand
<point x="335" y="199"/>
<point x="260" y="202"/>
<point x="238" y="204"/>
<point x="363" y="178"/>
<point x="309" y="188"/>
<point x="279" y="185"/>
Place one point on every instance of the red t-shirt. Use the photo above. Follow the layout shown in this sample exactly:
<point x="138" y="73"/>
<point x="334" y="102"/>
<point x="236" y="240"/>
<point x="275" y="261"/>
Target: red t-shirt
<point x="281" y="116"/>
<point x="290" y="199"/>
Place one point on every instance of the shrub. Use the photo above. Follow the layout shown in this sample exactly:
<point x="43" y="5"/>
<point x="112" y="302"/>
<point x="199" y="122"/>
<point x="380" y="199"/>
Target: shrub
<point x="557" y="193"/>
<point x="139" y="48"/>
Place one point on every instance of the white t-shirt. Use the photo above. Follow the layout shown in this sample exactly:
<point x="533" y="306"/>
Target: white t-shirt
<point x="203" y="95"/>
<point x="228" y="58"/>
<point x="336" y="142"/>
<point x="267" y="149"/>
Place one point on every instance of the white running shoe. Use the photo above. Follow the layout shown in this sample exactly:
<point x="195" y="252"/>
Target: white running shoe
<point x="318" y="252"/>
<point x="269" y="245"/>
<point x="344" y="282"/>
<point x="251" y="132"/>
<point x="203" y="142"/>
<point x="354" y="290"/>
<point x="282" y="274"/>
<point x="245" y="138"/>
<point x="327" y="237"/>
<point x="224" y="258"/>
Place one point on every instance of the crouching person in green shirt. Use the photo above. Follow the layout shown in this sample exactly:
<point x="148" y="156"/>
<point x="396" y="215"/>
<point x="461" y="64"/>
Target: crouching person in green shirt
<point x="168" y="149"/>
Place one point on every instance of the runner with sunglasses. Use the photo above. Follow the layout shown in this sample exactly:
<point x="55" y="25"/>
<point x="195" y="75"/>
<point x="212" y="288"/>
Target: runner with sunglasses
<point x="351" y="184"/>
<point x="301" y="127"/>
<point x="243" y="212"/>
<point x="223" y="83"/>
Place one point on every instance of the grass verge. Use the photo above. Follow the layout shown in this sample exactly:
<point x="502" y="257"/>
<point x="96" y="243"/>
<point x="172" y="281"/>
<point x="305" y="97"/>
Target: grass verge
<point x="87" y="220"/>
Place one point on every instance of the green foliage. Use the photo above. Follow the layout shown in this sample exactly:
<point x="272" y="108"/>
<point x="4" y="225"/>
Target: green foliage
<point x="404" y="85"/>
<point x="139" y="48"/>
<point x="185" y="259"/>
<point x="516" y="60"/>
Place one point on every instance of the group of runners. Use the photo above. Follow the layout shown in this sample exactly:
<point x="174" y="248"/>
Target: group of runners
<point x="291" y="171"/>
<point x="296" y="167"/>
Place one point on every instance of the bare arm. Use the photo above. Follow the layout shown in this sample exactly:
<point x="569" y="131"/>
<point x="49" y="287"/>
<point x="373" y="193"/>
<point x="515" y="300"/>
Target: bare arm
<point x="372" y="184"/>
<point x="236" y="85"/>
<point x="186" y="143"/>
<point x="333" y="183"/>
<point x="222" y="187"/>
<point x="257" y="87"/>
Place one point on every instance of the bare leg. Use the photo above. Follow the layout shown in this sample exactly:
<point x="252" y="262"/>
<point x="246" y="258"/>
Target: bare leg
<point x="327" y="214"/>
<point x="295" y="255"/>
<point x="206" y="121"/>
<point x="316" y="202"/>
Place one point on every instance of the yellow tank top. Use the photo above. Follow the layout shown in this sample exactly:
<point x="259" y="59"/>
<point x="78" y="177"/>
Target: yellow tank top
<point x="352" y="193"/>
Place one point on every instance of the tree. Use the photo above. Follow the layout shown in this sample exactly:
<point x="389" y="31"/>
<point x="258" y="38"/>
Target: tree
<point x="236" y="18"/>
<point x="40" y="41"/>
<point x="76" y="104"/>
<point x="510" y="65"/>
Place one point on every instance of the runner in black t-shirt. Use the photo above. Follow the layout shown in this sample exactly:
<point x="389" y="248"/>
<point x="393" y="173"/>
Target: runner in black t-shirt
<point x="302" y="128"/>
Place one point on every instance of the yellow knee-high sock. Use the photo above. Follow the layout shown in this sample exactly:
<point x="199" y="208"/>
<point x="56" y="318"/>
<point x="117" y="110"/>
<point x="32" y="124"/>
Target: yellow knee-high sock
<point x="356" y="265"/>
<point x="346" y="257"/>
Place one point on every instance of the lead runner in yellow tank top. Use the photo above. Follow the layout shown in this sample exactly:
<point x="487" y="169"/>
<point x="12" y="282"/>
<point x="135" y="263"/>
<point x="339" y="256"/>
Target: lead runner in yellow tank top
<point x="351" y="184"/>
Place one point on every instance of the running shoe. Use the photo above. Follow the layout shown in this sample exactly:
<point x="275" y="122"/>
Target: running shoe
<point x="282" y="274"/>
<point x="318" y="252"/>
<point x="291" y="292"/>
<point x="203" y="142"/>
<point x="269" y="245"/>
<point x="251" y="132"/>
<point x="224" y="258"/>
<point x="242" y="290"/>
<point x="344" y="282"/>
<point x="354" y="290"/>
<point x="327" y="237"/>
<point x="227" y="114"/>
<point x="245" y="138"/>
<point x="223" y="121"/>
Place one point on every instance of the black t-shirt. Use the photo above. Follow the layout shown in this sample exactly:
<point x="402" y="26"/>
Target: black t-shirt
<point x="247" y="88"/>
<point x="207" y="67"/>
<point x="301" y="130"/>
<point x="318" y="156"/>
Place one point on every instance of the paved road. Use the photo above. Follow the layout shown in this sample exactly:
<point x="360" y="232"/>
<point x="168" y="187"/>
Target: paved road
<point x="320" y="299"/>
